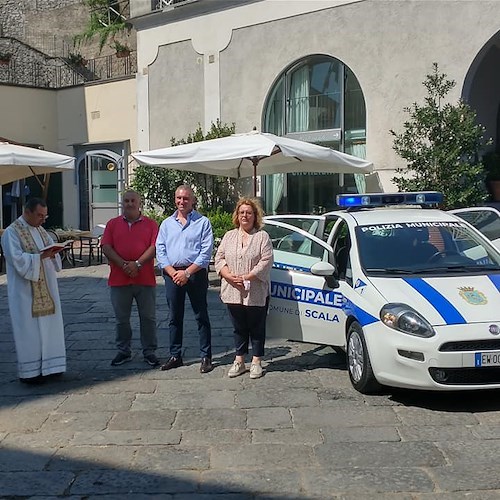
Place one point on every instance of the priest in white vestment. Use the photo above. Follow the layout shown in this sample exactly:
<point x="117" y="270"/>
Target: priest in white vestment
<point x="34" y="305"/>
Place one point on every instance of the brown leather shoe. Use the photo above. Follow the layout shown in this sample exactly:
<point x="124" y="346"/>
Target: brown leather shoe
<point x="172" y="363"/>
<point x="206" y="365"/>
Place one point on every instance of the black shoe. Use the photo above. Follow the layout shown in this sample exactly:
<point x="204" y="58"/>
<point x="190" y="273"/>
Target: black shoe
<point x="151" y="359"/>
<point x="32" y="380"/>
<point x="172" y="363"/>
<point x="206" y="365"/>
<point x="121" y="358"/>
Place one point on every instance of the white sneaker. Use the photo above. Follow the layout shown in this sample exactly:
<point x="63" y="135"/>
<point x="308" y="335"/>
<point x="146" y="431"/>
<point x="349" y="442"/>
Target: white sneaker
<point x="237" y="369"/>
<point x="255" y="370"/>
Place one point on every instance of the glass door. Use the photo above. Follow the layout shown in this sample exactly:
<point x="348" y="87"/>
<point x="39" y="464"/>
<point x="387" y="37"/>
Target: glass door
<point x="105" y="182"/>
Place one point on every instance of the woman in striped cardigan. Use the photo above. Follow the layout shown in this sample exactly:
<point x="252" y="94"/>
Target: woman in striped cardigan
<point x="244" y="260"/>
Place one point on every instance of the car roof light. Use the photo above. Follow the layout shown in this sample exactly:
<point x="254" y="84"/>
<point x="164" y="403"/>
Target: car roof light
<point x="423" y="198"/>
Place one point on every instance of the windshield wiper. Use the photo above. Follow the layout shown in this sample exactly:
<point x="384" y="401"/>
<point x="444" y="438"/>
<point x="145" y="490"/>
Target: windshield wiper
<point x="392" y="270"/>
<point x="457" y="267"/>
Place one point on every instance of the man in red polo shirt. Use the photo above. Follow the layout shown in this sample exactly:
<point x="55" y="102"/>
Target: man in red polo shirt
<point x="129" y="244"/>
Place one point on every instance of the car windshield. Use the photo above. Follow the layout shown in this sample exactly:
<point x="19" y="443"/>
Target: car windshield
<point x="424" y="247"/>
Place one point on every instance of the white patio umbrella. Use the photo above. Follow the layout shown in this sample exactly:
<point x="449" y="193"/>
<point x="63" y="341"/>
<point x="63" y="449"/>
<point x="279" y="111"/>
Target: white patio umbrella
<point x="18" y="162"/>
<point x="251" y="154"/>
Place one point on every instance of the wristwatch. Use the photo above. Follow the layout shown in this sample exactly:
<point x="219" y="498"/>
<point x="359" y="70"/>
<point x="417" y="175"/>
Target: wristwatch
<point x="138" y="264"/>
<point x="187" y="273"/>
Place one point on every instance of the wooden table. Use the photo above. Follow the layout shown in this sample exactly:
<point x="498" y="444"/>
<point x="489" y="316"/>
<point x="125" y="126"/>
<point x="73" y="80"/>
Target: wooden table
<point x="72" y="234"/>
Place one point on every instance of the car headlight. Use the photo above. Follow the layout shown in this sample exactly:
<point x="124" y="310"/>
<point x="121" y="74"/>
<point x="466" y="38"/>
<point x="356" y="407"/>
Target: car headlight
<point x="405" y="319"/>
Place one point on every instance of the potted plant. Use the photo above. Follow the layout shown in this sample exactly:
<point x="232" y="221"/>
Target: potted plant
<point x="491" y="163"/>
<point x="121" y="49"/>
<point x="76" y="59"/>
<point x="5" y="58"/>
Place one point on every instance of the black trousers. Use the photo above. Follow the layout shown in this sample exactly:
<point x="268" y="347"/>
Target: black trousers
<point x="249" y="324"/>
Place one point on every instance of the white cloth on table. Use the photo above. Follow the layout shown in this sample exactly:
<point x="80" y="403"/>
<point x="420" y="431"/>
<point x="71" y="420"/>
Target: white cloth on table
<point x="39" y="342"/>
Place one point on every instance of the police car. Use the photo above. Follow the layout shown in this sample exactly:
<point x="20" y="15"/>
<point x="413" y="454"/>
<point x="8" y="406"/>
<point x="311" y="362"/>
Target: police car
<point x="411" y="293"/>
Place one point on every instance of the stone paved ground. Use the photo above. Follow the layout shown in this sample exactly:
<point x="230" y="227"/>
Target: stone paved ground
<point x="299" y="432"/>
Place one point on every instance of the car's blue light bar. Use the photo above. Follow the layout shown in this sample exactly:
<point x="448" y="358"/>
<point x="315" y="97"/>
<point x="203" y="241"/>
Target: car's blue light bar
<point x="428" y="198"/>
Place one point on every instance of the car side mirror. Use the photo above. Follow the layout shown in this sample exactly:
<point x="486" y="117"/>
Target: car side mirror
<point x="326" y="270"/>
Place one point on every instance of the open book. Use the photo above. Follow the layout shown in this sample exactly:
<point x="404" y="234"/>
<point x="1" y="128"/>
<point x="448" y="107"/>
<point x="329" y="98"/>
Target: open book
<point x="60" y="246"/>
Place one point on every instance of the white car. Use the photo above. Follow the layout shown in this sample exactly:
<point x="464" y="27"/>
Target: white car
<point x="411" y="294"/>
<point x="484" y="219"/>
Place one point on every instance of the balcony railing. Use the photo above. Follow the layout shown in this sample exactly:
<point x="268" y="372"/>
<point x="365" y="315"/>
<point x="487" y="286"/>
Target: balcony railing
<point x="57" y="73"/>
<point x="162" y="4"/>
<point x="112" y="66"/>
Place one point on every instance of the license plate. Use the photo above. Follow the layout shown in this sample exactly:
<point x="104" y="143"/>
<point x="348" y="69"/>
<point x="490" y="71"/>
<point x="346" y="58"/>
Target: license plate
<point x="486" y="359"/>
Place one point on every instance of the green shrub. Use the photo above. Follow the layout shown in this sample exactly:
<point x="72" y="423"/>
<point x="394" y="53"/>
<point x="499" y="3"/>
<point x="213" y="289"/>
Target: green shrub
<point x="492" y="166"/>
<point x="221" y="222"/>
<point x="441" y="143"/>
<point x="156" y="215"/>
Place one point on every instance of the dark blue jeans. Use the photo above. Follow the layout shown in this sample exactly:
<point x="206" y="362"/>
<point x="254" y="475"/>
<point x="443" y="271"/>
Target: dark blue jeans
<point x="196" y="289"/>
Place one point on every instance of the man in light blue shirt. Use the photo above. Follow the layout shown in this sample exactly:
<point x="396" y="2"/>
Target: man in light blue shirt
<point x="183" y="251"/>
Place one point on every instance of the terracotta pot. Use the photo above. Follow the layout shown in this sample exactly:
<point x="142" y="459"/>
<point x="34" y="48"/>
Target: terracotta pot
<point x="494" y="187"/>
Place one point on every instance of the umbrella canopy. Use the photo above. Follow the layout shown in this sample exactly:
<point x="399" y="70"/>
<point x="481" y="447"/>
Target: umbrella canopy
<point x="18" y="162"/>
<point x="251" y="154"/>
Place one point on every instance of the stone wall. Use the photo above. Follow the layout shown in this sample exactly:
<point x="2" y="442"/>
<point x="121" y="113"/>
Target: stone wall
<point x="30" y="67"/>
<point x="51" y="25"/>
<point x="47" y="25"/>
<point x="39" y="34"/>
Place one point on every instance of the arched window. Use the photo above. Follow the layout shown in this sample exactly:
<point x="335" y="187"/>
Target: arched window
<point x="319" y="100"/>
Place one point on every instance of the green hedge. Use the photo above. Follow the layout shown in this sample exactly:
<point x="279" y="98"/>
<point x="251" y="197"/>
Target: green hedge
<point x="221" y="221"/>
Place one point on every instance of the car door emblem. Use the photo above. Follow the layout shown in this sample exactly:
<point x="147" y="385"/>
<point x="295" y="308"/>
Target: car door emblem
<point x="473" y="297"/>
<point x="359" y="284"/>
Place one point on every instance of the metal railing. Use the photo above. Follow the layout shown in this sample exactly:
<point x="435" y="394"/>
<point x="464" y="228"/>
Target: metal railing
<point x="162" y="4"/>
<point x="53" y="45"/>
<point x="112" y="13"/>
<point x="111" y="66"/>
<point x="58" y="73"/>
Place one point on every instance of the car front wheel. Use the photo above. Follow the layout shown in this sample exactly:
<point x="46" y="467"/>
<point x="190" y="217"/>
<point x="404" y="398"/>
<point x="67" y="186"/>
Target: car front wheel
<point x="358" y="362"/>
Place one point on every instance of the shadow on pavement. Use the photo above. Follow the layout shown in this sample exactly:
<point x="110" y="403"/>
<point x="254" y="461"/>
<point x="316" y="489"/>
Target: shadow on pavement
<point x="90" y="337"/>
<point x="452" y="401"/>
<point x="116" y="473"/>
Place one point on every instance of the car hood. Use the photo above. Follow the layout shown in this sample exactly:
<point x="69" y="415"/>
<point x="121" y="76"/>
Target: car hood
<point x="446" y="300"/>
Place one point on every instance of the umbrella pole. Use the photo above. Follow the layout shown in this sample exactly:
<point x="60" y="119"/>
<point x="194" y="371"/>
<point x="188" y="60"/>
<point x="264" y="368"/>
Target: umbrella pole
<point x="46" y="179"/>
<point x="255" y="162"/>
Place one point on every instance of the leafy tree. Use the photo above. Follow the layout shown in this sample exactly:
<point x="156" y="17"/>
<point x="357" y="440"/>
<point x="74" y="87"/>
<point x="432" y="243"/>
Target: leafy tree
<point x="157" y="185"/>
<point x="441" y="143"/>
<point x="106" y="20"/>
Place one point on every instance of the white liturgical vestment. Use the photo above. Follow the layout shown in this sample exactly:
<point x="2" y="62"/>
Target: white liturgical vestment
<point x="39" y="340"/>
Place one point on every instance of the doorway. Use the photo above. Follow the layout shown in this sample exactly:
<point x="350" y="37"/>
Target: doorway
<point x="101" y="180"/>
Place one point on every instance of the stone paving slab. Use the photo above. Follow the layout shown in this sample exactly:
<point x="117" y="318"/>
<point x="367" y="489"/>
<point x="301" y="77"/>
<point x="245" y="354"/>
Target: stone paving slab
<point x="210" y="419"/>
<point x="363" y="434"/>
<point x="269" y="418"/>
<point x="300" y="432"/>
<point x="369" y="481"/>
<point x="211" y="437"/>
<point x="35" y="484"/>
<point x="139" y="420"/>
<point x="158" y="459"/>
<point x="125" y="438"/>
<point x="283" y="436"/>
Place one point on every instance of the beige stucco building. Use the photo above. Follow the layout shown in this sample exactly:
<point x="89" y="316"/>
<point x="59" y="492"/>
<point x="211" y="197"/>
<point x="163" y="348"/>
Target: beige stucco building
<point x="336" y="72"/>
<point x="95" y="121"/>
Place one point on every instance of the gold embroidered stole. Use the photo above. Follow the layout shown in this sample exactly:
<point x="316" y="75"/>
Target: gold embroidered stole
<point x="42" y="303"/>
